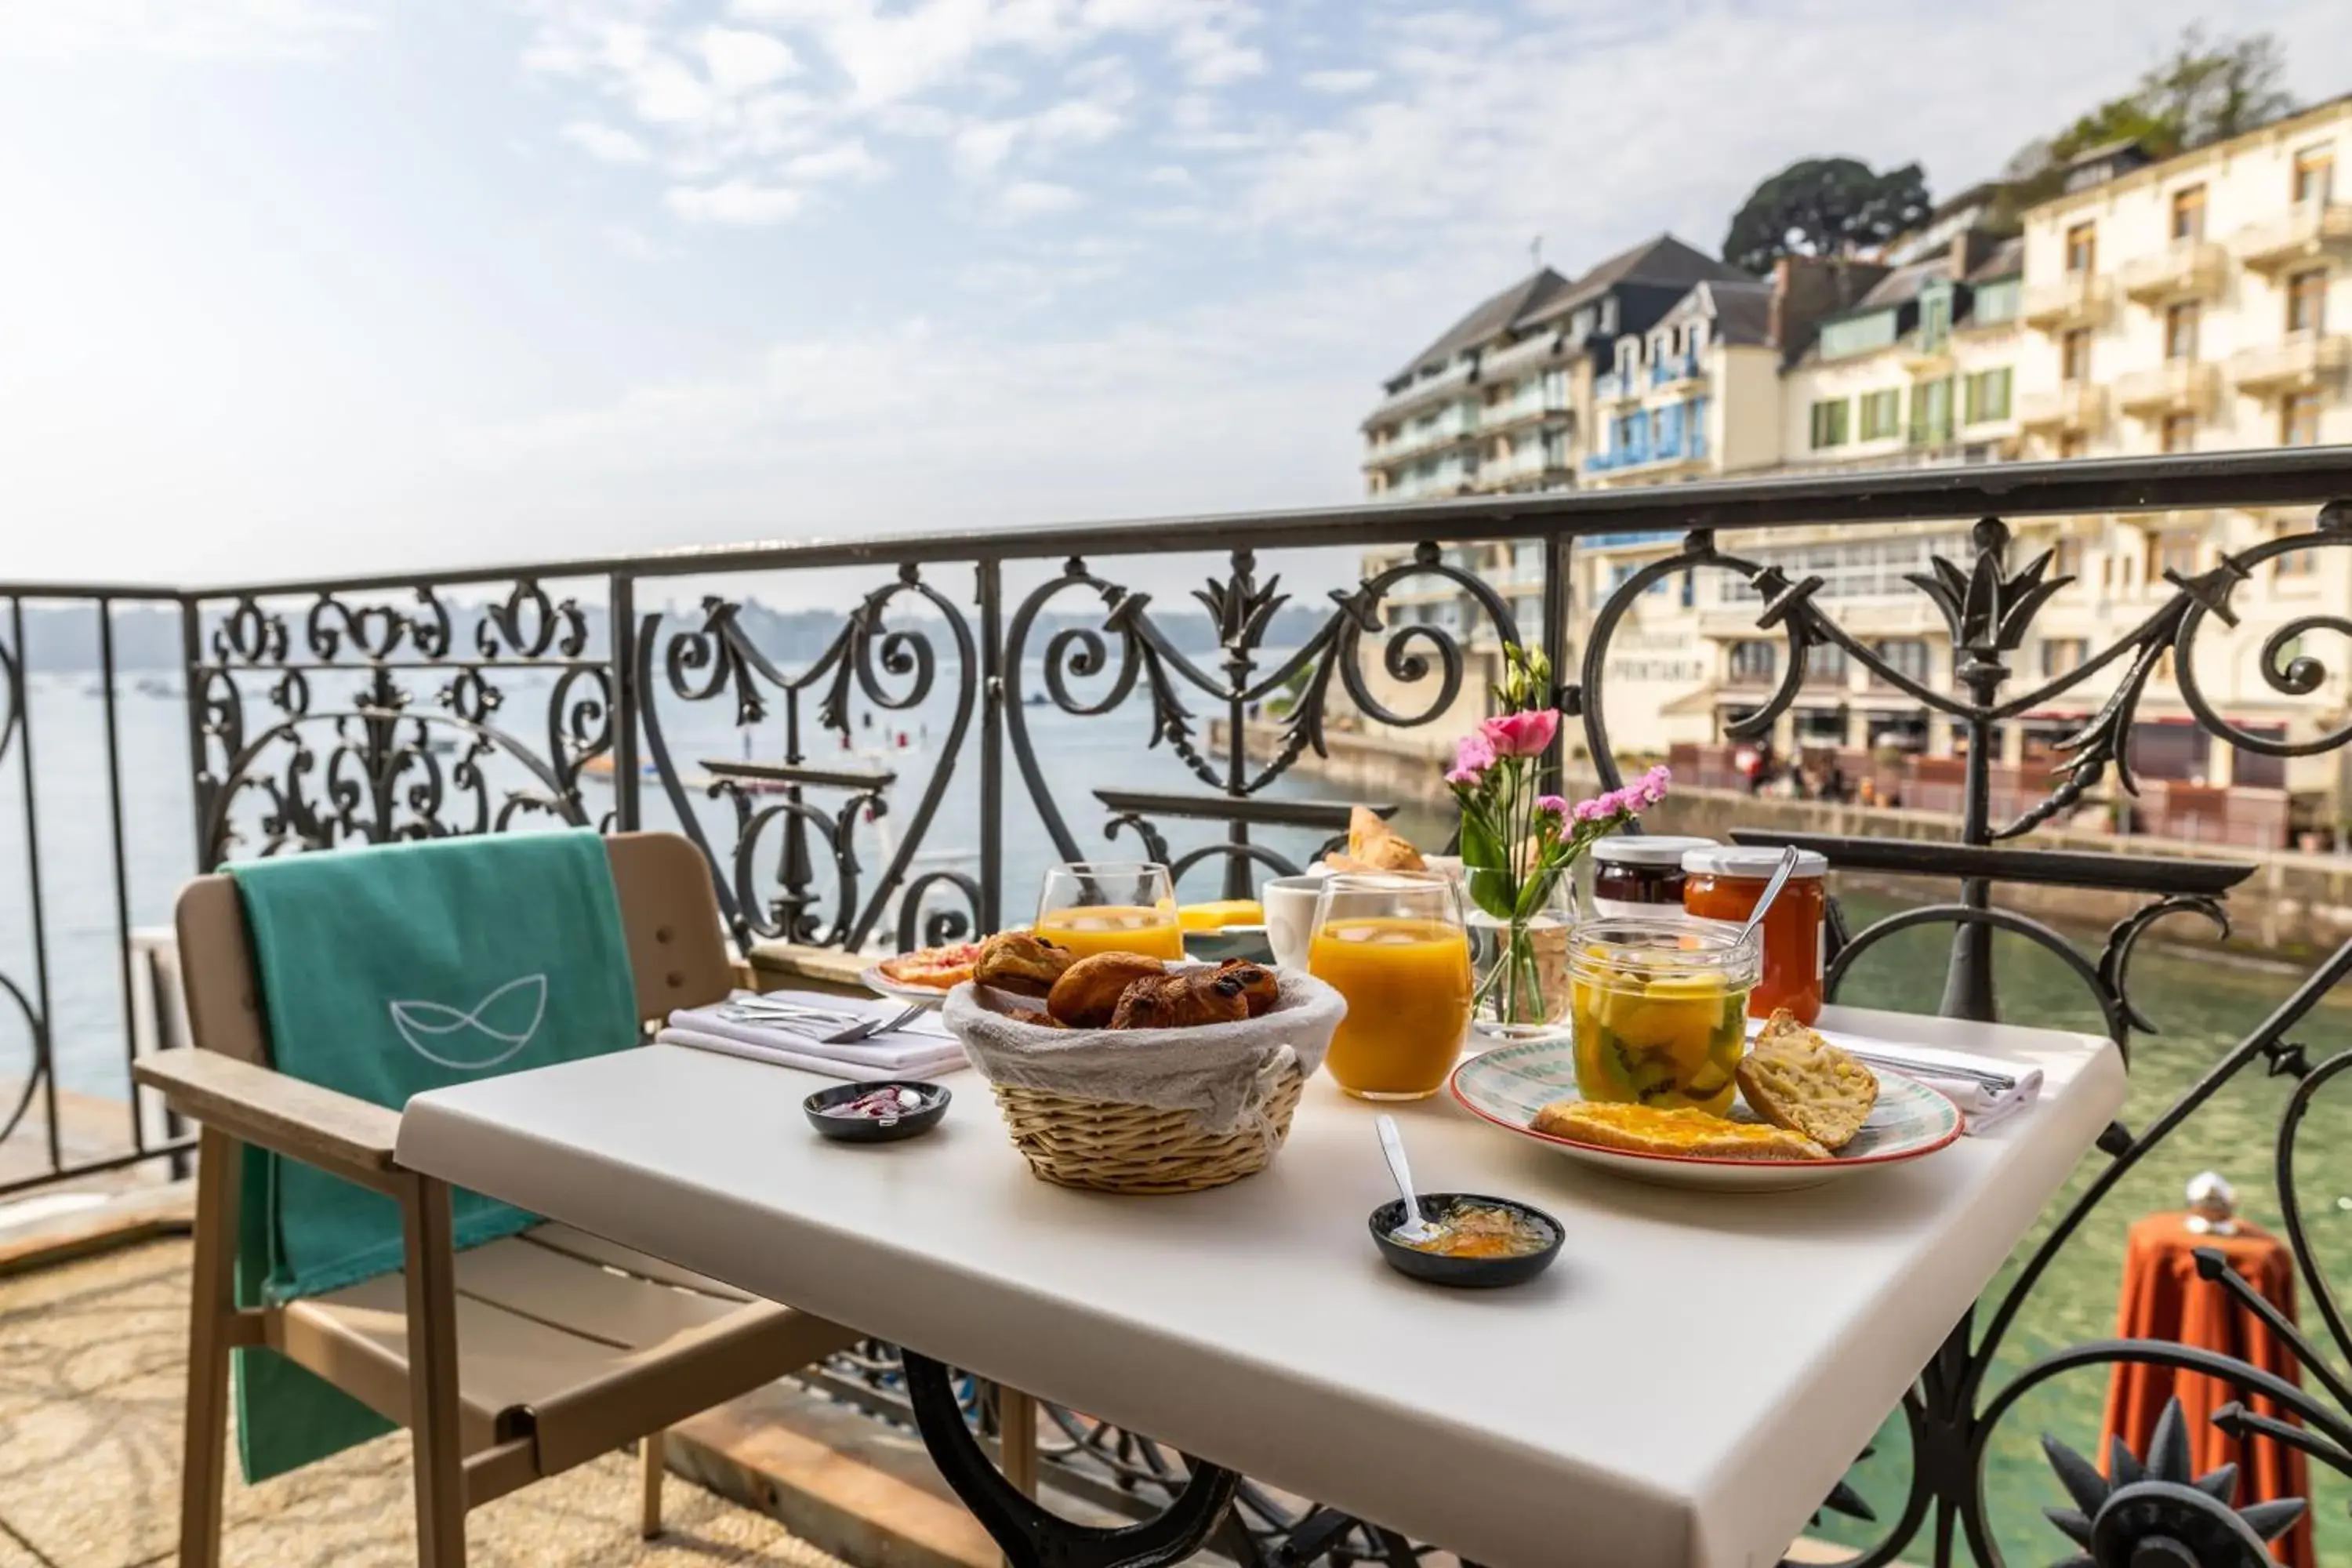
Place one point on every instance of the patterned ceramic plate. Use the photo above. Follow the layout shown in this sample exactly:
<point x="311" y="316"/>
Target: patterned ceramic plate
<point x="1508" y="1085"/>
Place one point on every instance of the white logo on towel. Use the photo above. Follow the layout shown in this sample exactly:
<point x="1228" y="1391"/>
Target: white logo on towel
<point x="419" y="1021"/>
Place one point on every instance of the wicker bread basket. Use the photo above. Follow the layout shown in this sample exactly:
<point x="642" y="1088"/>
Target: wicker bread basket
<point x="1149" y="1110"/>
<point x="1115" y="1148"/>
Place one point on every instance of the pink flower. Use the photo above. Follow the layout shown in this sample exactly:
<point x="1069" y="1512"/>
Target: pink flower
<point x="1464" y="778"/>
<point x="1589" y="811"/>
<point x="1552" y="805"/>
<point x="1473" y="754"/>
<point x="1651" y="786"/>
<point x="1526" y="734"/>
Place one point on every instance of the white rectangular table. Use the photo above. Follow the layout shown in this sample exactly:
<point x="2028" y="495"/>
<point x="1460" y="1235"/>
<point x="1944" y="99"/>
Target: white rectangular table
<point x="1680" y="1391"/>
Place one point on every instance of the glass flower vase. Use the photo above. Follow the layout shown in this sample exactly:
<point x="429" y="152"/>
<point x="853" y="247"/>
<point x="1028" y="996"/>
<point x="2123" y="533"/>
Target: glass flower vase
<point x="1519" y="951"/>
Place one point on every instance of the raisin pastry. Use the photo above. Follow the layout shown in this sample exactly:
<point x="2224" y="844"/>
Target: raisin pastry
<point x="1259" y="988"/>
<point x="1088" y="993"/>
<point x="1181" y="1001"/>
<point x="1020" y="962"/>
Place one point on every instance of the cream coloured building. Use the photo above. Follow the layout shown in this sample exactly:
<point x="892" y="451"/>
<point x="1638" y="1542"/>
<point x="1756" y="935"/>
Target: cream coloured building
<point x="2199" y="303"/>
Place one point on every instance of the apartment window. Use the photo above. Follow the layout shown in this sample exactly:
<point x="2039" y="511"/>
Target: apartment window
<point x="1931" y="412"/>
<point x="2074" y="355"/>
<point x="1830" y="417"/>
<point x="2066" y="558"/>
<point x="2314" y="174"/>
<point x="2306" y="300"/>
<point x="2175" y="550"/>
<point x="1935" y="320"/>
<point x="2180" y="331"/>
<point x="1689" y="589"/>
<point x="1995" y="302"/>
<point x="2188" y="212"/>
<point x="1825" y="665"/>
<point x="2299" y="420"/>
<point x="2297" y="563"/>
<point x="1882" y="414"/>
<point x="2082" y="247"/>
<point x="1988" y="396"/>
<point x="2060" y="654"/>
<point x="1755" y="663"/>
<point x="1905" y="656"/>
<point x="2179" y="431"/>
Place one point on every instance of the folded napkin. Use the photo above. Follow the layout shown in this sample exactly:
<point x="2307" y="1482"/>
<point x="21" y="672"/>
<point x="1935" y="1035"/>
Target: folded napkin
<point x="921" y="1047"/>
<point x="1988" y="1091"/>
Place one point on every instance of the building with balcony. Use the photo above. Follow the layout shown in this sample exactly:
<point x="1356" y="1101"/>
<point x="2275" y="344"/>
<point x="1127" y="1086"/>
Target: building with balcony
<point x="1919" y="369"/>
<point x="1689" y="396"/>
<point x="1502" y="399"/>
<point x="2198" y="304"/>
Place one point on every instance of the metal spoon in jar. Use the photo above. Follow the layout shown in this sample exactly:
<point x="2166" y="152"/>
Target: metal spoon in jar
<point x="1771" y="891"/>
<point x="1415" y="1230"/>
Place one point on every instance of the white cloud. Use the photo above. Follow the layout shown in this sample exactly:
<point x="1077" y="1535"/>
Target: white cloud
<point x="739" y="60"/>
<point x="633" y="245"/>
<point x="843" y="161"/>
<point x="606" y="142"/>
<point x="1341" y="81"/>
<point x="187" y="29"/>
<point x="978" y="148"/>
<point x="739" y="202"/>
<point x="1075" y="120"/>
<point x="1035" y="198"/>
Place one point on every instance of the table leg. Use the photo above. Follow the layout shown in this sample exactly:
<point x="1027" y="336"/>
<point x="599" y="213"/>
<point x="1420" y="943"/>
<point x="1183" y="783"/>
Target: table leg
<point x="1030" y="1536"/>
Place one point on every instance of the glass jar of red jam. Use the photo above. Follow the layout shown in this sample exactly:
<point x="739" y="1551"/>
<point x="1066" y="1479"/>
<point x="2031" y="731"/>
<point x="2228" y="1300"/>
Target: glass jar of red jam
<point x="1723" y="881"/>
<point x="1635" y="873"/>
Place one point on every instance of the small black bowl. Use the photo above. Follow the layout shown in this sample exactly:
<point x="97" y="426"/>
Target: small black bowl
<point x="912" y="1123"/>
<point x="1470" y="1273"/>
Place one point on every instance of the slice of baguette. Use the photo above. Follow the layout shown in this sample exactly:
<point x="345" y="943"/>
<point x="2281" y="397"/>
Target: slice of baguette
<point x="1793" y="1079"/>
<point x="1652" y="1130"/>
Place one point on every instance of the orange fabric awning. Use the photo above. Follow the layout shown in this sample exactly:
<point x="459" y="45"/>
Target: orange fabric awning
<point x="2163" y="1298"/>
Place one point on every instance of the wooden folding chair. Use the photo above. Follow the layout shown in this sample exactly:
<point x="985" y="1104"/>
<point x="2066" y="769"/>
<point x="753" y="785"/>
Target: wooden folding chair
<point x="507" y="1363"/>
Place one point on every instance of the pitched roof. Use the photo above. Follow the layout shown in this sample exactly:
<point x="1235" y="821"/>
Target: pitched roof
<point x="1489" y="318"/>
<point x="1741" y="311"/>
<point x="1902" y="286"/>
<point x="2007" y="260"/>
<point x="1662" y="260"/>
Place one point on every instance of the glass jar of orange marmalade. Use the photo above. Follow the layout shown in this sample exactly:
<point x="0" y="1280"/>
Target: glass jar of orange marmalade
<point x="1723" y="881"/>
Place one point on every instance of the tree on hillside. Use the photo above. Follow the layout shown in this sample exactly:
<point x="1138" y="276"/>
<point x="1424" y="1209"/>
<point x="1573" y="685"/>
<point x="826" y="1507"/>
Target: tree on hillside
<point x="2206" y="91"/>
<point x="1824" y="206"/>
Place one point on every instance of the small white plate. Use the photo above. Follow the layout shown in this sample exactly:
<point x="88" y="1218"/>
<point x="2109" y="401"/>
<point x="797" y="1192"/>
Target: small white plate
<point x="1508" y="1085"/>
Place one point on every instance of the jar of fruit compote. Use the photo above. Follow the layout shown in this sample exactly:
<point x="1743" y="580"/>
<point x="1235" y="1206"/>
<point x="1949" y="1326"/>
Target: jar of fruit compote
<point x="1659" y="1008"/>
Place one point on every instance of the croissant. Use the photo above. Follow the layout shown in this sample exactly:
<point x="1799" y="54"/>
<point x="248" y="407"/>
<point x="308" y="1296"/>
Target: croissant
<point x="1259" y="988"/>
<point x="1180" y="1002"/>
<point x="1088" y="993"/>
<point x="1020" y="962"/>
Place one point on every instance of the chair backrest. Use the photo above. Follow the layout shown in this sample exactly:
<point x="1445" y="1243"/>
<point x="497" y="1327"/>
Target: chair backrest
<point x="669" y="918"/>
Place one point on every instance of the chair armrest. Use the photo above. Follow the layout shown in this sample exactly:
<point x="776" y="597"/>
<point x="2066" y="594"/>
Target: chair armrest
<point x="258" y="1105"/>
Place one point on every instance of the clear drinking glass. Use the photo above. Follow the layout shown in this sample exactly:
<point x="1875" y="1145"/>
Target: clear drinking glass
<point x="1111" y="906"/>
<point x="1392" y="944"/>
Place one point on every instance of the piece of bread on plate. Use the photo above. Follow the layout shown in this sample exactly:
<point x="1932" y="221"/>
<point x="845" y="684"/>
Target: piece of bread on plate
<point x="1679" y="1130"/>
<point x="1793" y="1079"/>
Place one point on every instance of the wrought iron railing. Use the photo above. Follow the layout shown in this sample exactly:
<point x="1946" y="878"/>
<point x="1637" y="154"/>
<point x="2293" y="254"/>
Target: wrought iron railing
<point x="367" y="708"/>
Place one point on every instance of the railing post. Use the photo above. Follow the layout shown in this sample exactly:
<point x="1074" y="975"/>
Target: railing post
<point x="191" y="675"/>
<point x="1559" y="606"/>
<point x="992" y="744"/>
<point x="621" y="638"/>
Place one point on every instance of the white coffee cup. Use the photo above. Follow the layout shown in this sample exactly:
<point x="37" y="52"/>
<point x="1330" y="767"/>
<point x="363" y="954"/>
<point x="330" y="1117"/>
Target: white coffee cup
<point x="1289" y="905"/>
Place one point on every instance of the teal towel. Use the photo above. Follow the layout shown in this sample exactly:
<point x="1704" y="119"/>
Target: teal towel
<point x="387" y="972"/>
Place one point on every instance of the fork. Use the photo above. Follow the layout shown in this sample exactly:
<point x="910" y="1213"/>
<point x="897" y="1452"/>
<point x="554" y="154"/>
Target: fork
<point x="862" y="1029"/>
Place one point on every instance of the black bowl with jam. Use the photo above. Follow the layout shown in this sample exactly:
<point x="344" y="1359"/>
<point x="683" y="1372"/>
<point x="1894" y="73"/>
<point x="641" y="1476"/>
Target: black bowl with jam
<point x="1482" y="1242"/>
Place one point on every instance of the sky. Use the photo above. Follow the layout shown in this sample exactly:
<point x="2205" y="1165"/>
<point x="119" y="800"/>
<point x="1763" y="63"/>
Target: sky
<point x="309" y="286"/>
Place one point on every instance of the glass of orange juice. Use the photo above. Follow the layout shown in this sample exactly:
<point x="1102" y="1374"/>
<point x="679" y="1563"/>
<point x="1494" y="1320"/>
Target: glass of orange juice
<point x="1111" y="906"/>
<point x="1392" y="944"/>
